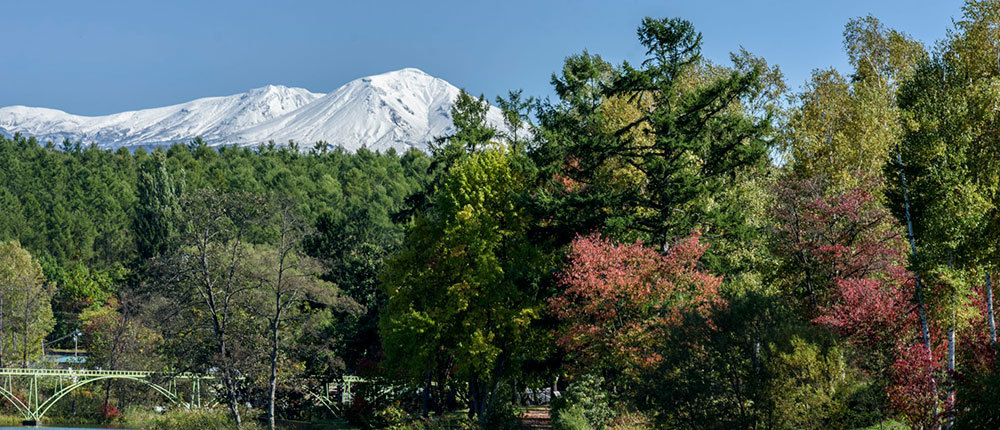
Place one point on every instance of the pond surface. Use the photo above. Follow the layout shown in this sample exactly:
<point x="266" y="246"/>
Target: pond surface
<point x="63" y="427"/>
<point x="284" y="425"/>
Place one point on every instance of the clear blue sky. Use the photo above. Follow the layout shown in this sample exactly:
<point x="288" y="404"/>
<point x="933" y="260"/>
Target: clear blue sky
<point x="99" y="57"/>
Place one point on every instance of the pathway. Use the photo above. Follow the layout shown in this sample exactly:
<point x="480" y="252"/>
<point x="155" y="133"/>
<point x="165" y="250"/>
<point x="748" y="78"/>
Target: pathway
<point x="536" y="418"/>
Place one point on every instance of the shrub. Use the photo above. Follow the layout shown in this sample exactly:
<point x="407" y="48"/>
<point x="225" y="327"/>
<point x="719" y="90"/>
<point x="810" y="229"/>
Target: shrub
<point x="503" y="416"/>
<point x="630" y="421"/>
<point x="585" y="397"/>
<point x="364" y="414"/>
<point x="201" y="419"/>
<point x="573" y="417"/>
<point x="110" y="412"/>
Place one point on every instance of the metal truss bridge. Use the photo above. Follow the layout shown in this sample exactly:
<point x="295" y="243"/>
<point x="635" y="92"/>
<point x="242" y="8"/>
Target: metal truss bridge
<point x="334" y="394"/>
<point x="183" y="389"/>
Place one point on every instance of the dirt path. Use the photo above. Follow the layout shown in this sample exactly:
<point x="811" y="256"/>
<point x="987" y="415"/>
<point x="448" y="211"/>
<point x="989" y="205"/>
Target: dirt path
<point x="536" y="419"/>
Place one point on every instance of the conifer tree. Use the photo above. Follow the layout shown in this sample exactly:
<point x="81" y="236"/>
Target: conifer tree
<point x="156" y="211"/>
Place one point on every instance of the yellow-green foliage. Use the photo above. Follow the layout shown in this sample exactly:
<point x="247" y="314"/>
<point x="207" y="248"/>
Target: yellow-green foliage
<point x="23" y="287"/>
<point x="453" y="285"/>
<point x="843" y="129"/>
<point x="807" y="378"/>
<point x="180" y="419"/>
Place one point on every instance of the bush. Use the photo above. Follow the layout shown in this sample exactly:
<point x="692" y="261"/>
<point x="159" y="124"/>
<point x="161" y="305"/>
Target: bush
<point x="437" y="423"/>
<point x="364" y="414"/>
<point x="390" y="415"/>
<point x="571" y="418"/>
<point x="109" y="412"/>
<point x="503" y="415"/>
<point x="180" y="419"/>
<point x="585" y="397"/>
<point x="630" y="421"/>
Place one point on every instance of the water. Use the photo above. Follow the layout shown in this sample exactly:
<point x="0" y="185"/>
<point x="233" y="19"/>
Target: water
<point x="285" y="425"/>
<point x="79" y="427"/>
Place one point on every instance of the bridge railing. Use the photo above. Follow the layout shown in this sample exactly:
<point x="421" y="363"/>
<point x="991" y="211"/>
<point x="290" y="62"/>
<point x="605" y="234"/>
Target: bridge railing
<point x="94" y="372"/>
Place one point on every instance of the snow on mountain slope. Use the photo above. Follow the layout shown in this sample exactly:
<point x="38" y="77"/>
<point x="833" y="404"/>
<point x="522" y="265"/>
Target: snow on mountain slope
<point x="402" y="109"/>
<point x="212" y="118"/>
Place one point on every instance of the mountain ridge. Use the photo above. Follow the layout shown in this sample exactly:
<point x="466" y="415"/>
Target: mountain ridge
<point x="401" y="109"/>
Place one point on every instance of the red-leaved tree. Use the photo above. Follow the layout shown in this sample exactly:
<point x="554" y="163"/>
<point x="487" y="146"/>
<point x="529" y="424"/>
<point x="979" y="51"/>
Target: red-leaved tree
<point x="872" y="313"/>
<point x="845" y="255"/>
<point x="826" y="236"/>
<point x="619" y="299"/>
<point x="914" y="392"/>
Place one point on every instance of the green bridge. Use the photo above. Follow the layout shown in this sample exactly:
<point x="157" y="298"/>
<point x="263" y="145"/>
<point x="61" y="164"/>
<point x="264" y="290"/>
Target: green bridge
<point x="334" y="394"/>
<point x="61" y="382"/>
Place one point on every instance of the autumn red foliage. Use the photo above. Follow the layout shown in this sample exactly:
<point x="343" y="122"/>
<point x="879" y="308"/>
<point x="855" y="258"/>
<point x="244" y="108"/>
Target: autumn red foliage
<point x="977" y="354"/>
<point x="914" y="392"/>
<point x="109" y="412"/>
<point x="850" y="256"/>
<point x="619" y="299"/>
<point x="847" y="235"/>
<point x="873" y="313"/>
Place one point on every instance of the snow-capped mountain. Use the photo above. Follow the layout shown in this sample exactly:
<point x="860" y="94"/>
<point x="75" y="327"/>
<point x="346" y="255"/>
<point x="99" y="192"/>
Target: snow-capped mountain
<point x="402" y="109"/>
<point x="212" y="118"/>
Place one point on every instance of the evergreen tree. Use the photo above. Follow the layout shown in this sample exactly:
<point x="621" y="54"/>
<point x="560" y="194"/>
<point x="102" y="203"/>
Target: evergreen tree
<point x="650" y="152"/>
<point x="155" y="221"/>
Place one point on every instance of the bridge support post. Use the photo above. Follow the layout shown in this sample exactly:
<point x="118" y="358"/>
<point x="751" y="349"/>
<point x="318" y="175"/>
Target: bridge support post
<point x="33" y="393"/>
<point x="33" y="402"/>
<point x="196" y="391"/>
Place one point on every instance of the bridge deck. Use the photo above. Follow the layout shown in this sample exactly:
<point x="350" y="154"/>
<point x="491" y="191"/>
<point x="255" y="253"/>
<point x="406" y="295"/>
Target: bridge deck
<point x="94" y="373"/>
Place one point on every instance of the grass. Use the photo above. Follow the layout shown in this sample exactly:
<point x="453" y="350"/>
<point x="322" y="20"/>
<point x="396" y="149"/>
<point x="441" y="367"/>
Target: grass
<point x="888" y="425"/>
<point x="180" y="419"/>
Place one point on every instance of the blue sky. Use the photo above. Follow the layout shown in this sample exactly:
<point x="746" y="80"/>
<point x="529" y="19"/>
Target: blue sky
<point x="99" y="57"/>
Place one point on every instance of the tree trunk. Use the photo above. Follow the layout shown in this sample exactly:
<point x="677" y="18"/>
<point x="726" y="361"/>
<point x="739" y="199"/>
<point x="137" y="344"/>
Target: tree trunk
<point x="517" y="394"/>
<point x="426" y="397"/>
<point x="913" y="252"/>
<point x="473" y="403"/>
<point x="275" y="326"/>
<point x="219" y="327"/>
<point x="273" y="378"/>
<point x="227" y="376"/>
<point x="2" y="331"/>
<point x="479" y="398"/>
<point x="925" y="331"/>
<point x="989" y="312"/>
<point x="107" y="391"/>
<point x="951" y="371"/>
<point x="24" y="334"/>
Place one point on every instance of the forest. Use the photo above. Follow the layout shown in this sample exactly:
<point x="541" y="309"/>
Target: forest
<point x="669" y="244"/>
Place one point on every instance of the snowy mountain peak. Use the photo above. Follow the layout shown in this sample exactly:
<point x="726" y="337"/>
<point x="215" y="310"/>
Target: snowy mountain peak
<point x="407" y="74"/>
<point x="401" y="109"/>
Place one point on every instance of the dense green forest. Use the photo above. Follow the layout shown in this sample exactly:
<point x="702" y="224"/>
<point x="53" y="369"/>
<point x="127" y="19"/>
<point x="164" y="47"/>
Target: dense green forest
<point x="670" y="244"/>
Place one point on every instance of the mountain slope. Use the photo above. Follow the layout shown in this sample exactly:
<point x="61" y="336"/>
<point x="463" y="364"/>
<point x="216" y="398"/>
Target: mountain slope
<point x="212" y="118"/>
<point x="402" y="109"/>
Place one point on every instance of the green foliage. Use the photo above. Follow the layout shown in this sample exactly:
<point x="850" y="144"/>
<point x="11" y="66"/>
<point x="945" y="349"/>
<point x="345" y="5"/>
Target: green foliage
<point x="435" y="270"/>
<point x="113" y="339"/>
<point x="90" y="214"/>
<point x="843" y="129"/>
<point x="455" y="289"/>
<point x="656" y="151"/>
<point x="157" y="209"/>
<point x="573" y="417"/>
<point x="584" y="405"/>
<point x="178" y="419"/>
<point x="979" y="392"/>
<point x="808" y="384"/>
<point x="25" y="305"/>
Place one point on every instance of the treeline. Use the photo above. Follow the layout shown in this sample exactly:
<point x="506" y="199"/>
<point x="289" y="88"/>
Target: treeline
<point x="672" y="245"/>
<point x="106" y="229"/>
